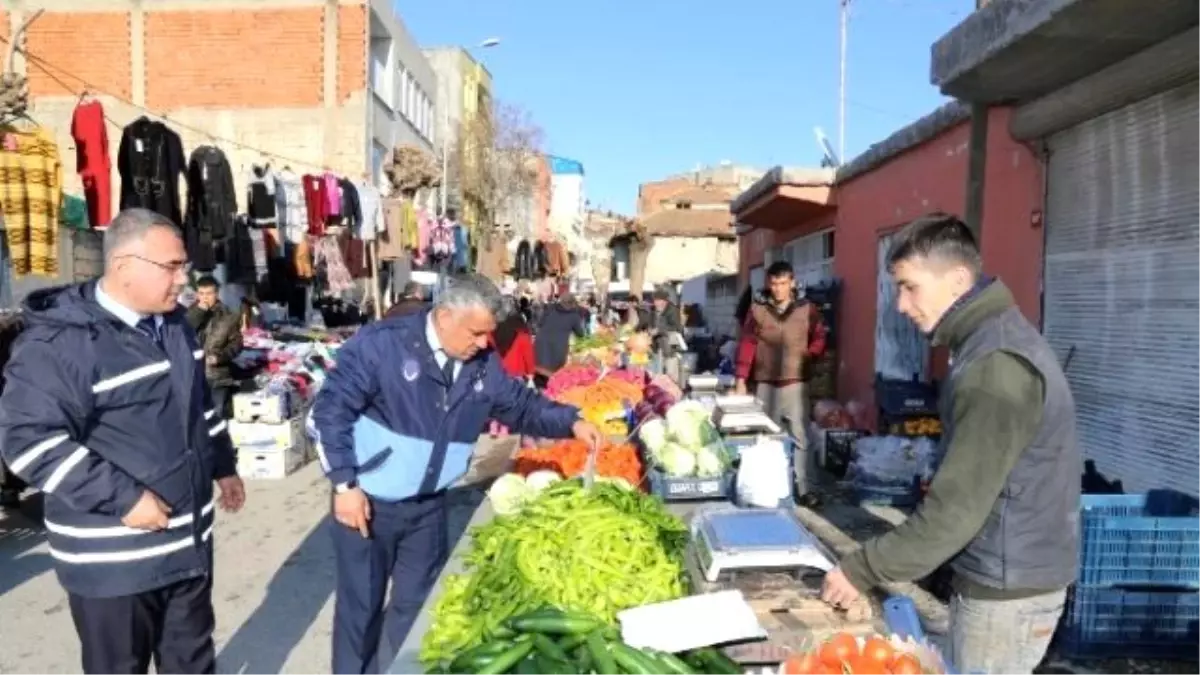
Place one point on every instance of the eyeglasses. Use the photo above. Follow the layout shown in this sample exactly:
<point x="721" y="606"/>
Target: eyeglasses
<point x="171" y="266"/>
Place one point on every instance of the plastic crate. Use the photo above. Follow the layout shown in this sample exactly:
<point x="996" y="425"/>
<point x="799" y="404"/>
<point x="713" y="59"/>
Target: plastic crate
<point x="673" y="489"/>
<point x="905" y="397"/>
<point x="1116" y="623"/>
<point x="1150" y="539"/>
<point x="887" y="495"/>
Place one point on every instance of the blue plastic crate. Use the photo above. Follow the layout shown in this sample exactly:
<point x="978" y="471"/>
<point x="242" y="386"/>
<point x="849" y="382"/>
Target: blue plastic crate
<point x="1114" y="623"/>
<point x="690" y="488"/>
<point x="1150" y="539"/>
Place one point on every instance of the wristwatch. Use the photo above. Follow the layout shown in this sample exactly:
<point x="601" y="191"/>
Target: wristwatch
<point x="345" y="487"/>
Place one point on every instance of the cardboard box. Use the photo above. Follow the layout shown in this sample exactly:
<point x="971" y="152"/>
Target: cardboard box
<point x="270" y="464"/>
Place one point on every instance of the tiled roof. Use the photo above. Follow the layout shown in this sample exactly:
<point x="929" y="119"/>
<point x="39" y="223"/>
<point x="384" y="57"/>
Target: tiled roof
<point x="690" y="223"/>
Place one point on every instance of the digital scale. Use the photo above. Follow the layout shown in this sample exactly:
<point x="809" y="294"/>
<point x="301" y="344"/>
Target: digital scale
<point x="728" y="538"/>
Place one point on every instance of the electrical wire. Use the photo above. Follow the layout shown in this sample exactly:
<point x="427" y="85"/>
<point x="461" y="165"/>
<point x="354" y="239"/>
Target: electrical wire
<point x="89" y="88"/>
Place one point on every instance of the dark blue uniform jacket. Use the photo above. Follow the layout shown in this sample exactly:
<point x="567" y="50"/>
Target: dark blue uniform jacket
<point x="93" y="413"/>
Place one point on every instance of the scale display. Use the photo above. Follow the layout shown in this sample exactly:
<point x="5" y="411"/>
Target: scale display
<point x="729" y="538"/>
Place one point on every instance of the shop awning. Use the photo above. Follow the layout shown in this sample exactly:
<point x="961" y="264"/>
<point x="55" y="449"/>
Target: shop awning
<point x="784" y="197"/>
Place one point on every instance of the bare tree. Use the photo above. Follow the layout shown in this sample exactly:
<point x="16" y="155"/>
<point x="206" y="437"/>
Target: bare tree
<point x="494" y="163"/>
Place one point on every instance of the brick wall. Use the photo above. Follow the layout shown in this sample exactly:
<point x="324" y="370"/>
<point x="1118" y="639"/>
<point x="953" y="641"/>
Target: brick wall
<point x="351" y="54"/>
<point x="60" y="54"/>
<point x="651" y="194"/>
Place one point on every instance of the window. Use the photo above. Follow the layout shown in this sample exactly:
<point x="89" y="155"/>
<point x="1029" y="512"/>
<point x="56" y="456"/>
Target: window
<point x="403" y="90"/>
<point x="378" y="154"/>
<point x="811" y="257"/>
<point x="381" y="76"/>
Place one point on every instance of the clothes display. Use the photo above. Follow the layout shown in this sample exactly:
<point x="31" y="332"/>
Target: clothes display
<point x="92" y="162"/>
<point x="150" y="160"/>
<point x="261" y="204"/>
<point x="211" y="205"/>
<point x="30" y="197"/>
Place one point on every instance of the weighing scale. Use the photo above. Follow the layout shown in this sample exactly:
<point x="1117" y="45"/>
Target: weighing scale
<point x="743" y="415"/>
<point x="728" y="538"/>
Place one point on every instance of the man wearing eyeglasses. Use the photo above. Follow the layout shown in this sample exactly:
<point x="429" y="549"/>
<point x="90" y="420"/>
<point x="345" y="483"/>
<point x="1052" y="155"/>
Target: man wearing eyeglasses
<point x="107" y="412"/>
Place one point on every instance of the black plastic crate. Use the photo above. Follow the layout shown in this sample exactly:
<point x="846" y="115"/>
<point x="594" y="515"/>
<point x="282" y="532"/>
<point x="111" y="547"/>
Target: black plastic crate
<point x="905" y="397"/>
<point x="839" y="450"/>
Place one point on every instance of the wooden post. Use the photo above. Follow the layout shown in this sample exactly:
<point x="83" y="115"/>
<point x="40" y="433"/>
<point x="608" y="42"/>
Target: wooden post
<point x="373" y="261"/>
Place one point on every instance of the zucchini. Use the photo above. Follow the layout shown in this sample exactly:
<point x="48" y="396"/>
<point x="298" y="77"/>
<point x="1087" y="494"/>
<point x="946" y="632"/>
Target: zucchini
<point x="601" y="658"/>
<point x="510" y="658"/>
<point x="570" y="642"/>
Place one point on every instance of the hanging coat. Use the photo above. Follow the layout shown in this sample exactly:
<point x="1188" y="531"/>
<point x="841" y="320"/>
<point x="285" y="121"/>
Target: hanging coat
<point x="211" y="206"/>
<point x="260" y="197"/>
<point x="150" y="160"/>
<point x="523" y="266"/>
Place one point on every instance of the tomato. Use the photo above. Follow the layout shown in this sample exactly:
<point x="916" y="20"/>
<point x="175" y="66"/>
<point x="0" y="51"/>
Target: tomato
<point x="802" y="664"/>
<point x="906" y="664"/>
<point x="861" y="664"/>
<point x="879" y="649"/>
<point x="839" y="649"/>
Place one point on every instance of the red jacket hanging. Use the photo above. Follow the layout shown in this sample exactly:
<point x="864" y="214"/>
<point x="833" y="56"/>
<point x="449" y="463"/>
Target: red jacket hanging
<point x="316" y="200"/>
<point x="92" y="160"/>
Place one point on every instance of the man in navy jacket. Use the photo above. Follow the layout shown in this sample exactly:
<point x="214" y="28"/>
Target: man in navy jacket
<point x="107" y="412"/>
<point x="397" y="421"/>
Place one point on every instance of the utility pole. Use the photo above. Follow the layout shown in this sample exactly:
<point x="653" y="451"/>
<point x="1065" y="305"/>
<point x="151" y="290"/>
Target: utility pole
<point x="843" y="19"/>
<point x="976" y="162"/>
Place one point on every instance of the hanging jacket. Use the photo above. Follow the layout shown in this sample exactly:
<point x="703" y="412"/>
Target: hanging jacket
<point x="523" y="265"/>
<point x="150" y="160"/>
<point x="541" y="261"/>
<point x="462" y="248"/>
<point x="211" y="206"/>
<point x="260" y="197"/>
<point x="93" y="413"/>
<point x="351" y="207"/>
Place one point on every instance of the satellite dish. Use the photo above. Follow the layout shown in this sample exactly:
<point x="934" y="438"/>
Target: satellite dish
<point x="490" y="42"/>
<point x="829" y="158"/>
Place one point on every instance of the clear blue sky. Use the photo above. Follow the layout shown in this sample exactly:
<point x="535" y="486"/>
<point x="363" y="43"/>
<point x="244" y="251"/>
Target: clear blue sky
<point x="640" y="89"/>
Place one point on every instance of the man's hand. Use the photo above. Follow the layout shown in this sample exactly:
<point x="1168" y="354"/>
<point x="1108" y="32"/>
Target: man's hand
<point x="149" y="513"/>
<point x="352" y="509"/>
<point x="837" y="589"/>
<point x="233" y="494"/>
<point x="588" y="433"/>
<point x="211" y="360"/>
<point x="739" y="387"/>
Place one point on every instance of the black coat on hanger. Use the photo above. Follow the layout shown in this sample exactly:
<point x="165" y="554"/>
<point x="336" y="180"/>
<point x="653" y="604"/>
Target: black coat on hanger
<point x="150" y="160"/>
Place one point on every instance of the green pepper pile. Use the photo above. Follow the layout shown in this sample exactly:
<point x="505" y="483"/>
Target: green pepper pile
<point x="595" y="553"/>
<point x="551" y="641"/>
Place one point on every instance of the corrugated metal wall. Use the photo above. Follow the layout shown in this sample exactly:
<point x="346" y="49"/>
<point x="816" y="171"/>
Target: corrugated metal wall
<point x="1122" y="276"/>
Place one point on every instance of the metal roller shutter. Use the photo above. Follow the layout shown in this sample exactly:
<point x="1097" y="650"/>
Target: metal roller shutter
<point x="1121" y="285"/>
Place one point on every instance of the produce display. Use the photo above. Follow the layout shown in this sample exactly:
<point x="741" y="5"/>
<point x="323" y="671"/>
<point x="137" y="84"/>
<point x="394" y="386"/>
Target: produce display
<point x="568" y="458"/>
<point x="655" y="402"/>
<point x="601" y="399"/>
<point x="594" y="552"/>
<point x="846" y="654"/>
<point x="685" y="442"/>
<point x="549" y="640"/>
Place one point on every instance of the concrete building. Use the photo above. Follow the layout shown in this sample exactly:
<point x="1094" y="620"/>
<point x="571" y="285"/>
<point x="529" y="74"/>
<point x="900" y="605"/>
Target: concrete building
<point x="1106" y="92"/>
<point x="279" y="81"/>
<point x="652" y="195"/>
<point x="464" y="88"/>
<point x="838" y="226"/>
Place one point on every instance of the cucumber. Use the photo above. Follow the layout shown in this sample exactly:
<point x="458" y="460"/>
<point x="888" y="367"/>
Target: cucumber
<point x="629" y="660"/>
<point x="602" y="660"/>
<point x="570" y="642"/>
<point x="527" y="666"/>
<point x="549" y="666"/>
<point x="554" y="625"/>
<point x="718" y="662"/>
<point x="549" y="648"/>
<point x="673" y="664"/>
<point x="583" y="659"/>
<point x="471" y="659"/>
<point x="508" y="659"/>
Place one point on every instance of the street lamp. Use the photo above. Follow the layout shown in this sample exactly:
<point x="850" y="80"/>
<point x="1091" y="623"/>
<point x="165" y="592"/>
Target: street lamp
<point x="443" y="95"/>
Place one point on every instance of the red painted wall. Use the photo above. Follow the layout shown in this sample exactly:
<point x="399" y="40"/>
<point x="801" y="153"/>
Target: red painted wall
<point x="932" y="177"/>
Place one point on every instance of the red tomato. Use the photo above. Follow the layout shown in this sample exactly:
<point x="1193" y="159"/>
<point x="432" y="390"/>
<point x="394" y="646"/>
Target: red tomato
<point x="839" y="649"/>
<point x="861" y="664"/>
<point x="906" y="664"/>
<point x="878" y="649"/>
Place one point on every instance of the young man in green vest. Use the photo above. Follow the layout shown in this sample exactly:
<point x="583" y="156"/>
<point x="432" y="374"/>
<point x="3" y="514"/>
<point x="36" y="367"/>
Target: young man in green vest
<point x="1003" y="509"/>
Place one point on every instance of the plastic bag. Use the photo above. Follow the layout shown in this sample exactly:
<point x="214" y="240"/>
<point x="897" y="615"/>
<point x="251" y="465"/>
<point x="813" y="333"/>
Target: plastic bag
<point x="892" y="461"/>
<point x="764" y="477"/>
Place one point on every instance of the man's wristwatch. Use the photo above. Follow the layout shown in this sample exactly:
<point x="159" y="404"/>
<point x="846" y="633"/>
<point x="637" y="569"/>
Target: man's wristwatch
<point x="345" y="487"/>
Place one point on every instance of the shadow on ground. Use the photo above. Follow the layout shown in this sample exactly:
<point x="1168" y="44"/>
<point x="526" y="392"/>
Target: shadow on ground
<point x="20" y="532"/>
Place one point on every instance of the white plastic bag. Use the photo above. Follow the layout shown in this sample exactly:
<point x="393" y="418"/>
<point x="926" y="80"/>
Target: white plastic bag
<point x="764" y="478"/>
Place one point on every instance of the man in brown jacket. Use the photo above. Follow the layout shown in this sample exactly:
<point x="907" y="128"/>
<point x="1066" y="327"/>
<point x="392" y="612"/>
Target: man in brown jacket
<point x="220" y="333"/>
<point x="783" y="331"/>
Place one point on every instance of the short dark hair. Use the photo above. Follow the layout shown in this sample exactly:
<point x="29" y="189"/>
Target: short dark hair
<point x="780" y="268"/>
<point x="937" y="236"/>
<point x="413" y="289"/>
<point x="207" y="281"/>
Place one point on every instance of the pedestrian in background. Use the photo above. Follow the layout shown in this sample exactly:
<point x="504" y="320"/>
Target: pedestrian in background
<point x="1003" y="508"/>
<point x="106" y="410"/>
<point x="219" y="332"/>
<point x="412" y="300"/>
<point x="397" y="422"/>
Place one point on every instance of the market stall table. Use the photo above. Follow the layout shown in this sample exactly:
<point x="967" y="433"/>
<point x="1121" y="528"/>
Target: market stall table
<point x="790" y="612"/>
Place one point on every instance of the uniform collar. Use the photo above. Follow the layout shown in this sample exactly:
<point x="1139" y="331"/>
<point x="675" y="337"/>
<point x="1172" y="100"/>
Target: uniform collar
<point x="431" y="336"/>
<point x="126" y="315"/>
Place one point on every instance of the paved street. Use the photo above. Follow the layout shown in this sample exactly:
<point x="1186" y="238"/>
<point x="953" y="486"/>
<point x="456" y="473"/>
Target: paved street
<point x="273" y="596"/>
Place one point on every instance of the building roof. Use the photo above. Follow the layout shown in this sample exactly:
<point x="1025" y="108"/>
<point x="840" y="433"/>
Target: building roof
<point x="781" y="176"/>
<point x="904" y="139"/>
<point x="703" y="194"/>
<point x="563" y="165"/>
<point x="690" y="223"/>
